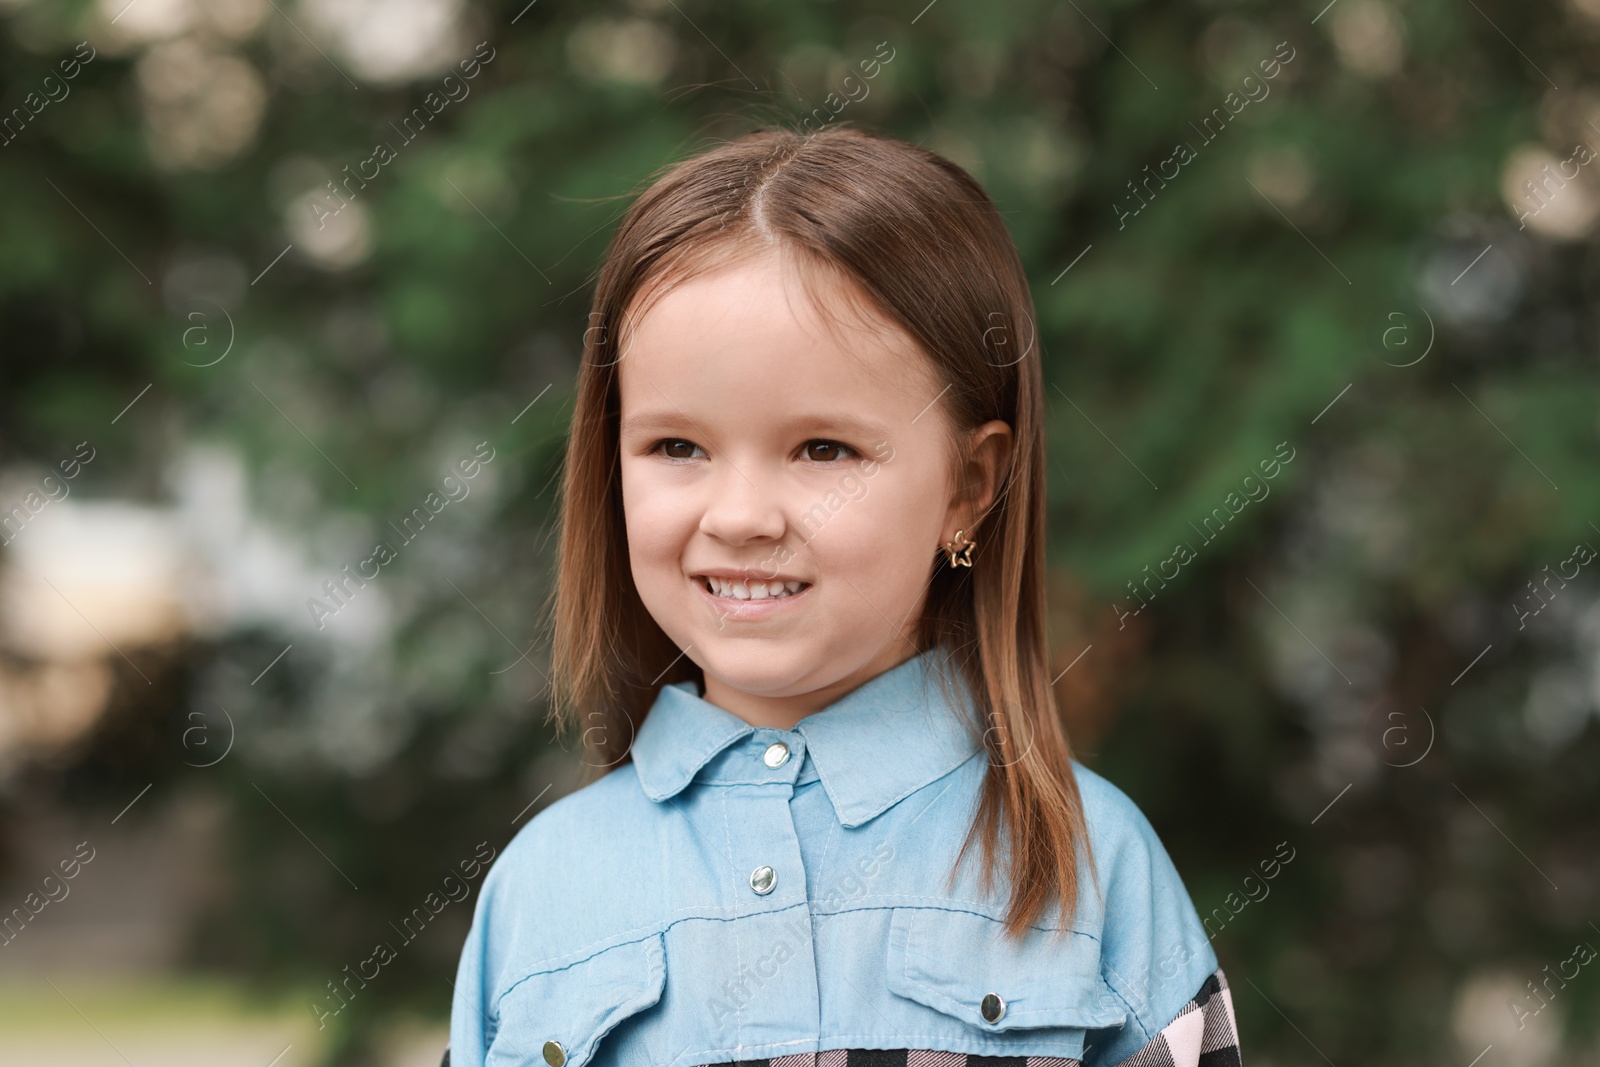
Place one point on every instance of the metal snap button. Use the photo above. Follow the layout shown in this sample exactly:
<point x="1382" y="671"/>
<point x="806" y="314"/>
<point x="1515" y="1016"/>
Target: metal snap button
<point x="554" y="1054"/>
<point x="776" y="755"/>
<point x="762" y="879"/>
<point x="992" y="1008"/>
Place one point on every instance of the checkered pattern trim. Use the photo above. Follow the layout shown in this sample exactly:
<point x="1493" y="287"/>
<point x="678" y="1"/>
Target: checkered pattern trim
<point x="1203" y="1034"/>
<point x="900" y="1057"/>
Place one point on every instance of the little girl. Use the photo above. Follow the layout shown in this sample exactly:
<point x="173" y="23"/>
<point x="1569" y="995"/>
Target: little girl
<point x="799" y="614"/>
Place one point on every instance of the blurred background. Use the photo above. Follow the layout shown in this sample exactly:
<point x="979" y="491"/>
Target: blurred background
<point x="1341" y="347"/>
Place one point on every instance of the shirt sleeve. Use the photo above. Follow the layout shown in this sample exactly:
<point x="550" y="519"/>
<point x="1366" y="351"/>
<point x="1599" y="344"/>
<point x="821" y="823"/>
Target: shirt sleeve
<point x="1155" y="955"/>
<point x="472" y="1021"/>
<point x="1203" y="1032"/>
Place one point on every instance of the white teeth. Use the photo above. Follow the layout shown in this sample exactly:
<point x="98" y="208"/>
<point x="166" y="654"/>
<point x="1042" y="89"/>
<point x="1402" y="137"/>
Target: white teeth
<point x="748" y="590"/>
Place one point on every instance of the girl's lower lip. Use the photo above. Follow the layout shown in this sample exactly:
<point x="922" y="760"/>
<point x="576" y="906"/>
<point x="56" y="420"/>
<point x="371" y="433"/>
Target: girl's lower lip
<point x="729" y="608"/>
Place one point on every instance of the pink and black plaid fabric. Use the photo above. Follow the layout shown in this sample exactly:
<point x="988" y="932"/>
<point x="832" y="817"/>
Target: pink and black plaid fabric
<point x="900" y="1057"/>
<point x="1203" y="1034"/>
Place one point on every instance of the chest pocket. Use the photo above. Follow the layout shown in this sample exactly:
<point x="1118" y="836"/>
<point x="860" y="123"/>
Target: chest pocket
<point x="556" y="1018"/>
<point x="960" y="964"/>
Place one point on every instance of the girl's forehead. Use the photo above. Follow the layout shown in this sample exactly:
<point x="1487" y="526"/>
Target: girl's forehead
<point x="768" y="315"/>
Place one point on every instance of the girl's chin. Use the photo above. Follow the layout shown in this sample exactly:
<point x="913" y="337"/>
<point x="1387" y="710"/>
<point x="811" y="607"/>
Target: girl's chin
<point x="758" y="671"/>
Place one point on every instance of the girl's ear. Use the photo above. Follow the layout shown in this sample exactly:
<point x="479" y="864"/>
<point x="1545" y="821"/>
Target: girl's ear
<point x="979" y="480"/>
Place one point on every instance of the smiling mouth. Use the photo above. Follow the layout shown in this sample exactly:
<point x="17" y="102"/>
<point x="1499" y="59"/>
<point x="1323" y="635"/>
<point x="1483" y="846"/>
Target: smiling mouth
<point x="750" y="590"/>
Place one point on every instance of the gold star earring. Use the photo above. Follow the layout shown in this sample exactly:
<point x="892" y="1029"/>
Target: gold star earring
<point x="959" y="549"/>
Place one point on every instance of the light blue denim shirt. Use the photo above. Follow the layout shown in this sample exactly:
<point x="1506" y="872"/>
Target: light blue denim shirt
<point x="740" y="892"/>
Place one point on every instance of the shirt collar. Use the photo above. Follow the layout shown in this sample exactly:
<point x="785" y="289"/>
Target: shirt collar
<point x="872" y="747"/>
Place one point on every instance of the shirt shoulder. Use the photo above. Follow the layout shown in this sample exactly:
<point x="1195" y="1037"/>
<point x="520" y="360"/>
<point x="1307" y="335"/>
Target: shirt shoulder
<point x="1155" y="954"/>
<point x="1116" y="824"/>
<point x="612" y="804"/>
<point x="573" y="881"/>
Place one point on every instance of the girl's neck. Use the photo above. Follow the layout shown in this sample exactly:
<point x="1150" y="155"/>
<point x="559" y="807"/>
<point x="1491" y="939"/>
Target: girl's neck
<point x="782" y="712"/>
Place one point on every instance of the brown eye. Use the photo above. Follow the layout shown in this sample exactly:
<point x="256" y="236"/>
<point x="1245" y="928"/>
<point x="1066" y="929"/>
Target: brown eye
<point x="827" y="451"/>
<point x="677" y="448"/>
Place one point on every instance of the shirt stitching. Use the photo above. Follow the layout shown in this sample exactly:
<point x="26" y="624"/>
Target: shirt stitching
<point x="1133" y="1013"/>
<point x="706" y="780"/>
<point x="658" y="929"/>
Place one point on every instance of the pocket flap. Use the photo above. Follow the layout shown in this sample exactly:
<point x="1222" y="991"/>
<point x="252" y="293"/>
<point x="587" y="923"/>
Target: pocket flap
<point x="577" y="1005"/>
<point x="950" y="960"/>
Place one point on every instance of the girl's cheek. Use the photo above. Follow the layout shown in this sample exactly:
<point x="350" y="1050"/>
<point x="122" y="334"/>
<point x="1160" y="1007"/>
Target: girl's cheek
<point x="864" y="538"/>
<point x="645" y="501"/>
<point x="657" y="522"/>
<point x="656" y="530"/>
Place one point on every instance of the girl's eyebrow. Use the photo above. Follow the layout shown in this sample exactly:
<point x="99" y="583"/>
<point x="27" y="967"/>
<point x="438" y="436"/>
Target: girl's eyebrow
<point x="660" y="421"/>
<point x="648" y="421"/>
<point x="846" y="423"/>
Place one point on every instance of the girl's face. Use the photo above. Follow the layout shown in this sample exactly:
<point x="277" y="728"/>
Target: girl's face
<point x="763" y="454"/>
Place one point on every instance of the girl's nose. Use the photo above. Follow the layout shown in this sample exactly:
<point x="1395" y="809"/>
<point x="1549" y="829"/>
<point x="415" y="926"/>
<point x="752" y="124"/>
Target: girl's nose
<point x="744" y="504"/>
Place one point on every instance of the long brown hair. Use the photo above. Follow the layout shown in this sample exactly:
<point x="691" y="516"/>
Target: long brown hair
<point x="922" y="240"/>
